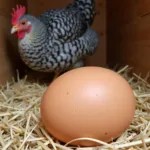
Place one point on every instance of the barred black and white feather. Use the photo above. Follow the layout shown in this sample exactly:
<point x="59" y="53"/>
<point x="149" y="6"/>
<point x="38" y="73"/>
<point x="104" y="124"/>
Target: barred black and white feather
<point x="60" y="38"/>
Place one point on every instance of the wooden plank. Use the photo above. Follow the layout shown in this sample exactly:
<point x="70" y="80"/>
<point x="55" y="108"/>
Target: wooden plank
<point x="36" y="7"/>
<point x="7" y="5"/>
<point x="129" y="42"/>
<point x="126" y="11"/>
<point x="9" y="57"/>
<point x="143" y="7"/>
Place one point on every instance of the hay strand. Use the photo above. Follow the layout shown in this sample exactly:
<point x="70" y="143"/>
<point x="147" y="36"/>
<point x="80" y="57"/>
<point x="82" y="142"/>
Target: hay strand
<point x="20" y="122"/>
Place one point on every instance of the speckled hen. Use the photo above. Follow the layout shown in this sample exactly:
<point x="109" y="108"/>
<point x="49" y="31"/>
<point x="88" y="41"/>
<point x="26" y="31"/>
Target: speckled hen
<point x="58" y="39"/>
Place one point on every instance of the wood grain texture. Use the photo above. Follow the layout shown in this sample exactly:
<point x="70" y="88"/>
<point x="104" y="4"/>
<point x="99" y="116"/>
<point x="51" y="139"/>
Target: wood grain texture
<point x="128" y="30"/>
<point x="9" y="57"/>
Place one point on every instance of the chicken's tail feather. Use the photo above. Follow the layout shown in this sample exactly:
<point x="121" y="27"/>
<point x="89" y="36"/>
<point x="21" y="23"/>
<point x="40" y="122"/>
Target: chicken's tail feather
<point x="87" y="8"/>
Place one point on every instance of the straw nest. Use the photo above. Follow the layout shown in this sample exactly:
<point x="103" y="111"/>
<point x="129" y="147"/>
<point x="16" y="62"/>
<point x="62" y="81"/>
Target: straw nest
<point x="20" y="127"/>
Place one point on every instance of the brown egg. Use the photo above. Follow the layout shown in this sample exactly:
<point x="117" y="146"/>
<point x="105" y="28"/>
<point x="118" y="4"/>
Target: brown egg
<point x="91" y="102"/>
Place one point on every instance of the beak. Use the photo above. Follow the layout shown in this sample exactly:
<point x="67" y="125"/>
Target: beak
<point x="14" y="29"/>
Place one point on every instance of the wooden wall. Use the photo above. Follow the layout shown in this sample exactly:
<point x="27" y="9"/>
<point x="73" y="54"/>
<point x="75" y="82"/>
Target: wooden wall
<point x="128" y="34"/>
<point x="9" y="58"/>
<point x="35" y="7"/>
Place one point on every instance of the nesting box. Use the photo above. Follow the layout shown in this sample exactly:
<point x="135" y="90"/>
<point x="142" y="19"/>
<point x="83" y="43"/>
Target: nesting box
<point x="124" y="30"/>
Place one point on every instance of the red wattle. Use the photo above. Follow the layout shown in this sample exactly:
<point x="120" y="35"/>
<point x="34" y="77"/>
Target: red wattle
<point x="20" y="34"/>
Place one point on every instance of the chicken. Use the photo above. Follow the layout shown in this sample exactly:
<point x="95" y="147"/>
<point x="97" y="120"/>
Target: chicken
<point x="58" y="39"/>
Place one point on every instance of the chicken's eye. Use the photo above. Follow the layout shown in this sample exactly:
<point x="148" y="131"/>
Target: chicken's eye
<point x="23" y="23"/>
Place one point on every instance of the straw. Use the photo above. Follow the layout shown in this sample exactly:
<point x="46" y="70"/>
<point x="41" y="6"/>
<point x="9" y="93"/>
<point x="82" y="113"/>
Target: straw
<point x="20" y="122"/>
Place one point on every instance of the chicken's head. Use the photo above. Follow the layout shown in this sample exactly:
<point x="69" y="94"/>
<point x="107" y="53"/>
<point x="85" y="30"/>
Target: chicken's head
<point x="20" y="26"/>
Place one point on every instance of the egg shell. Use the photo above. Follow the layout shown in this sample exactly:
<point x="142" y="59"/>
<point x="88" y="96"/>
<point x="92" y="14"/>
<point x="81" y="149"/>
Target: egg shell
<point x="91" y="102"/>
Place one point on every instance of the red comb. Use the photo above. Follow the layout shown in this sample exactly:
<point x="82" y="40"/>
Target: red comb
<point x="19" y="12"/>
